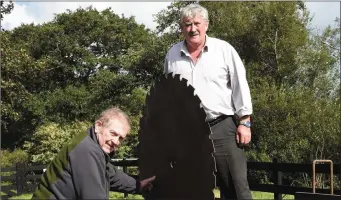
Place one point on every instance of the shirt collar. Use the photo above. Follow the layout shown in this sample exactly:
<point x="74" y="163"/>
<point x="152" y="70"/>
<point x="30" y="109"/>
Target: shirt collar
<point x="184" y="51"/>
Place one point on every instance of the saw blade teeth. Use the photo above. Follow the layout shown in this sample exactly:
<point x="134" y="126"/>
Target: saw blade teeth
<point x="177" y="76"/>
<point x="170" y="75"/>
<point x="180" y="78"/>
<point x="195" y="93"/>
<point x="183" y="80"/>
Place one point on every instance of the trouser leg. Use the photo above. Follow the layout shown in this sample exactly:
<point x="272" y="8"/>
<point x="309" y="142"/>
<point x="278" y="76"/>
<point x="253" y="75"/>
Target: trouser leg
<point x="230" y="160"/>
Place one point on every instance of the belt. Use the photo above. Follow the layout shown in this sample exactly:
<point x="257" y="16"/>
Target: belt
<point x="217" y="120"/>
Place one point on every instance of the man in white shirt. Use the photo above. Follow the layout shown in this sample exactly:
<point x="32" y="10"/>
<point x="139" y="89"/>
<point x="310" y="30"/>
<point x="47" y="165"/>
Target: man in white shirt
<point x="214" y="68"/>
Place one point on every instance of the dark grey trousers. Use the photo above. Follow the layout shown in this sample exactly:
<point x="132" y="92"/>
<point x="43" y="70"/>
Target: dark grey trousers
<point x="230" y="161"/>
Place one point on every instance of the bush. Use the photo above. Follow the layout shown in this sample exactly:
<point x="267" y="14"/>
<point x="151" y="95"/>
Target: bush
<point x="50" y="138"/>
<point x="9" y="158"/>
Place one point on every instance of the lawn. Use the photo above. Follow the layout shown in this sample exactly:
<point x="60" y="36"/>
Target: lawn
<point x="116" y="195"/>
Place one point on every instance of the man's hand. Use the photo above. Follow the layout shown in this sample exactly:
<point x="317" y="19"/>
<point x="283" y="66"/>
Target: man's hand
<point x="243" y="135"/>
<point x="146" y="184"/>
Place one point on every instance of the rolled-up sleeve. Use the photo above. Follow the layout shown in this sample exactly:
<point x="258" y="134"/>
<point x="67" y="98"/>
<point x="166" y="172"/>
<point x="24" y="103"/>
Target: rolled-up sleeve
<point x="241" y="96"/>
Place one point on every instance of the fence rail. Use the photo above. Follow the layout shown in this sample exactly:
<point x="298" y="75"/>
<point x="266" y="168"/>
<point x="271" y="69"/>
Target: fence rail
<point x="27" y="177"/>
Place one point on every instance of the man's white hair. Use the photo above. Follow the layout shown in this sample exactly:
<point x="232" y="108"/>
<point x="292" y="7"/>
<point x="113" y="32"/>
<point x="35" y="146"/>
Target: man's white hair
<point x="192" y="10"/>
<point x="113" y="113"/>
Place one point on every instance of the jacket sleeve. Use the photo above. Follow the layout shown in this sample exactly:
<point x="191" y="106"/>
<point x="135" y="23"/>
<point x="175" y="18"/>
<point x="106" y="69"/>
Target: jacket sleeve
<point x="121" y="182"/>
<point x="88" y="172"/>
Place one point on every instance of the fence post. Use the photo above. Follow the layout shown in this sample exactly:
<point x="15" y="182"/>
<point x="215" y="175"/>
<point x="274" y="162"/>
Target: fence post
<point x="25" y="173"/>
<point x="339" y="176"/>
<point x="125" y="170"/>
<point x="277" y="179"/>
<point x="20" y="173"/>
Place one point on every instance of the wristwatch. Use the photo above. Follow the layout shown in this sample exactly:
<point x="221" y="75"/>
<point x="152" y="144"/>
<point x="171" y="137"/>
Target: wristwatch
<point x="246" y="124"/>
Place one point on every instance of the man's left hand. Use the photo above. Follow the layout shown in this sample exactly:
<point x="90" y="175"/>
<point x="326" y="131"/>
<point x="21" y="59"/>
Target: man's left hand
<point x="243" y="135"/>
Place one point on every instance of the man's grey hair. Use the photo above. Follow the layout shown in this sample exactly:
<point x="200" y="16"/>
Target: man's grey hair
<point x="113" y="113"/>
<point x="192" y="10"/>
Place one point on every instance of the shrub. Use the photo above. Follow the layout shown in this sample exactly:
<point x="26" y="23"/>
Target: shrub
<point x="49" y="139"/>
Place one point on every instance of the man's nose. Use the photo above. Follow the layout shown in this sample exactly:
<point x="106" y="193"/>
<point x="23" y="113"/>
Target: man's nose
<point x="193" y="28"/>
<point x="116" y="141"/>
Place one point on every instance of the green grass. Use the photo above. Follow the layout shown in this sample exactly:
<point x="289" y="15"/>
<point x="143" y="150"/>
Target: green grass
<point x="267" y="195"/>
<point x="117" y="195"/>
<point x="23" y="196"/>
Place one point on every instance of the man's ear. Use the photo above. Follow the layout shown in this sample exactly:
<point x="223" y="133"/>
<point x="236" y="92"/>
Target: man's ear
<point x="206" y="26"/>
<point x="98" y="126"/>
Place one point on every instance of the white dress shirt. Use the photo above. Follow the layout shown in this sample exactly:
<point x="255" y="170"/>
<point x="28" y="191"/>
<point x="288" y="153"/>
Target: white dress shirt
<point x="218" y="76"/>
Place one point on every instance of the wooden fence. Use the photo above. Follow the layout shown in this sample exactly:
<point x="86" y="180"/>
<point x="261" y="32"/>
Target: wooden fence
<point x="26" y="177"/>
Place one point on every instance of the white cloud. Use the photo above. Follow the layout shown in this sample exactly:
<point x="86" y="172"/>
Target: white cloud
<point x="40" y="12"/>
<point x="18" y="16"/>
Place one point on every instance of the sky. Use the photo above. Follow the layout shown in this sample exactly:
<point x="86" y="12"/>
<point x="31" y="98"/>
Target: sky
<point x="39" y="12"/>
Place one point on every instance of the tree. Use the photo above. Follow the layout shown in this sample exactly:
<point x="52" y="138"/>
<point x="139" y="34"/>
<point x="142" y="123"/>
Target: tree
<point x="5" y="8"/>
<point x="319" y="62"/>
<point x="18" y="72"/>
<point x="54" y="72"/>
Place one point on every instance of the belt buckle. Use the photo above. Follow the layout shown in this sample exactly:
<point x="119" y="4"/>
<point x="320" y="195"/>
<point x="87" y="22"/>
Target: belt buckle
<point x="214" y="121"/>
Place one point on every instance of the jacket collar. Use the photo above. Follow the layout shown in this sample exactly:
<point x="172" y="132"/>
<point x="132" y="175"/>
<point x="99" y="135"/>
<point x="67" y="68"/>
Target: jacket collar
<point x="93" y="135"/>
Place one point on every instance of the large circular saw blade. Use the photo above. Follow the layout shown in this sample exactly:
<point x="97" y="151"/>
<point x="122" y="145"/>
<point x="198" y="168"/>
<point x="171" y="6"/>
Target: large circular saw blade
<point x="174" y="143"/>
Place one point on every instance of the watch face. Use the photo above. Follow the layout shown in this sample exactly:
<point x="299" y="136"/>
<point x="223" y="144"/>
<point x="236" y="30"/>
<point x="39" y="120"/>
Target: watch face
<point x="247" y="124"/>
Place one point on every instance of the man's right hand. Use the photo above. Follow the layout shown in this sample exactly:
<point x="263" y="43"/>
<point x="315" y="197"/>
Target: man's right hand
<point x="146" y="184"/>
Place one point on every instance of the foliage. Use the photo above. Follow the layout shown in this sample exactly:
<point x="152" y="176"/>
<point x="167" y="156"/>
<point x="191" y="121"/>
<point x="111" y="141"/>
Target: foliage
<point x="49" y="139"/>
<point x="23" y="196"/>
<point x="9" y="158"/>
<point x="319" y="62"/>
<point x="295" y="127"/>
<point x="119" y="195"/>
<point x="18" y="71"/>
<point x="133" y="104"/>
<point x="287" y="119"/>
<point x="168" y="19"/>
<point x="5" y="8"/>
<point x="57" y="71"/>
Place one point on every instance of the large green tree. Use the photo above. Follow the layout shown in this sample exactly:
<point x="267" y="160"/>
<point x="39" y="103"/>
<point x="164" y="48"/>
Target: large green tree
<point x="65" y="70"/>
<point x="18" y="72"/>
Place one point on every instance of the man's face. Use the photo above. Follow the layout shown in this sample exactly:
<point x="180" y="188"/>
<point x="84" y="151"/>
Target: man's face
<point x="112" y="134"/>
<point x="194" y="30"/>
